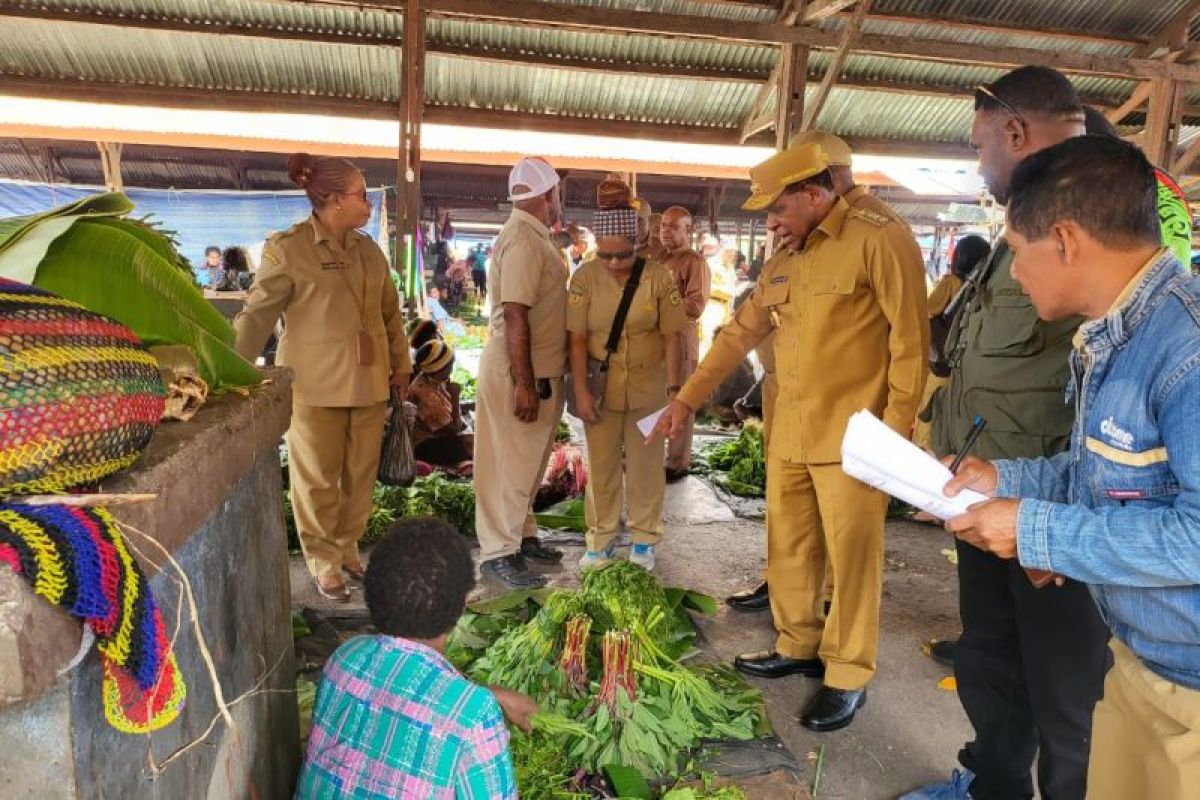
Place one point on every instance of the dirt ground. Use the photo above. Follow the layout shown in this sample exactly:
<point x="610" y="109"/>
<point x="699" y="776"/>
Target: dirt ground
<point x="909" y="731"/>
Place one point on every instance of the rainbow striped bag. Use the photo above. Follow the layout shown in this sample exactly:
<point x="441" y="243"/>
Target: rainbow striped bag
<point x="79" y="395"/>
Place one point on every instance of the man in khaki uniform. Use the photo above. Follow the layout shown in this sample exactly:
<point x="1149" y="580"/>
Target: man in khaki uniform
<point x="692" y="274"/>
<point x="845" y="297"/>
<point x="331" y="293"/>
<point x="649" y="246"/>
<point x="839" y="157"/>
<point x="520" y="386"/>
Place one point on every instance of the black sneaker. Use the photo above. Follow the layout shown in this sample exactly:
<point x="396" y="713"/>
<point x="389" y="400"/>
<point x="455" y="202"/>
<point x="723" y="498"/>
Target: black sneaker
<point x="511" y="572"/>
<point x="533" y="549"/>
<point x="943" y="652"/>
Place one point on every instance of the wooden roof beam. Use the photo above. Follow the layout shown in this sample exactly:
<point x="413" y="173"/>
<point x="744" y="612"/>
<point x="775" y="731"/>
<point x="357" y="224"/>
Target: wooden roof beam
<point x="1173" y="36"/>
<point x="834" y="70"/>
<point x="818" y="10"/>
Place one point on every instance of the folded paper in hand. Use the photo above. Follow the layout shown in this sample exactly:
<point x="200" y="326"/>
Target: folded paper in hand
<point x="875" y="454"/>
<point x="646" y="424"/>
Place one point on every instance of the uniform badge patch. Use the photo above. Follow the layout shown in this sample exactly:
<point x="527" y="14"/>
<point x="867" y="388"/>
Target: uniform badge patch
<point x="674" y="297"/>
<point x="779" y="279"/>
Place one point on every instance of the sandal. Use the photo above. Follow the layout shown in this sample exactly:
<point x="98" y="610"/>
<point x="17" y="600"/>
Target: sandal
<point x="338" y="594"/>
<point x="355" y="574"/>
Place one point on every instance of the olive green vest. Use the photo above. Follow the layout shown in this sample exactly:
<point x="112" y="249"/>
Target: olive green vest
<point x="1008" y="367"/>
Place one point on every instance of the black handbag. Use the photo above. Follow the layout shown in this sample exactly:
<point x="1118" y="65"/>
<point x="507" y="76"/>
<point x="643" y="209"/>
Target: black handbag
<point x="597" y="370"/>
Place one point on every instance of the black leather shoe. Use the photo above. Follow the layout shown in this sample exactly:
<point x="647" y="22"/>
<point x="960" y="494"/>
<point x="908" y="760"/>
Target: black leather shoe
<point x="832" y="709"/>
<point x="943" y="652"/>
<point x="773" y="665"/>
<point x="533" y="549"/>
<point x="511" y="572"/>
<point x="756" y="599"/>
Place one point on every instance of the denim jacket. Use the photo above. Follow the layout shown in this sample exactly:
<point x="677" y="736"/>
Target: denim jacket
<point x="1120" y="510"/>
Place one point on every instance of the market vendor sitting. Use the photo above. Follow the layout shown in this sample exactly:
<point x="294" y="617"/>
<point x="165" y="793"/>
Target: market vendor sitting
<point x="392" y="717"/>
<point x="438" y="437"/>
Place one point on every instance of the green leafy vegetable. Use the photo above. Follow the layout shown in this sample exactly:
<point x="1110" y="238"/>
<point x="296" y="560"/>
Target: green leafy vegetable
<point x="740" y="465"/>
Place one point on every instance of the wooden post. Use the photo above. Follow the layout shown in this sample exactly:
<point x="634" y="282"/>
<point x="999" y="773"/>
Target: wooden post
<point x="408" y="168"/>
<point x="110" y="162"/>
<point x="789" y="103"/>
<point x="1162" y="122"/>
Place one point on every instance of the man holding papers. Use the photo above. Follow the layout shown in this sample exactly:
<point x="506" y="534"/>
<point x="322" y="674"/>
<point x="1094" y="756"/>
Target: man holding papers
<point x="845" y="297"/>
<point x="1030" y="663"/>
<point x="1120" y="510"/>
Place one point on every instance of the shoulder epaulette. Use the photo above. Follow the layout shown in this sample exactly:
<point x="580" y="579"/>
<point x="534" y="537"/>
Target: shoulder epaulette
<point x="869" y="216"/>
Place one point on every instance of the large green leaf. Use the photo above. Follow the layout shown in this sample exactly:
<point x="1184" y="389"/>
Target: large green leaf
<point x="24" y="240"/>
<point x="116" y="268"/>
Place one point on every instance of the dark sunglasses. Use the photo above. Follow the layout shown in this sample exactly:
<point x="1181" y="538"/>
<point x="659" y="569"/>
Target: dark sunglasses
<point x="614" y="256"/>
<point x="983" y="91"/>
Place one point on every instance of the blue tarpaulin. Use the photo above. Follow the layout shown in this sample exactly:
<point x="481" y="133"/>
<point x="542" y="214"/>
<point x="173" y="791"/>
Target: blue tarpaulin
<point x="197" y="218"/>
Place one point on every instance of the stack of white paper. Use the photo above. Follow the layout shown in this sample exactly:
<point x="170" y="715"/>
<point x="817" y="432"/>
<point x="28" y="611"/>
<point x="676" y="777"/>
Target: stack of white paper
<point x="875" y="454"/>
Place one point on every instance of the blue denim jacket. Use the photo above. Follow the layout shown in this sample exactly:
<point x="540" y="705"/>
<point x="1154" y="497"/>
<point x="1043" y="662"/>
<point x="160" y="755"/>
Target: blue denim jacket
<point x="1120" y="510"/>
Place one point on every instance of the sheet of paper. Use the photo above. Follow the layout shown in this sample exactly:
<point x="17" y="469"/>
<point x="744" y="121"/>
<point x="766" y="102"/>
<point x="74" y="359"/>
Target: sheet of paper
<point x="646" y="424"/>
<point x="875" y="454"/>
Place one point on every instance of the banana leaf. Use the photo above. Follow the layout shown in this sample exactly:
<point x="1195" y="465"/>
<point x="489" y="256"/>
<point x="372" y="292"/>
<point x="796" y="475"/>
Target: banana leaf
<point x="564" y="516"/>
<point x="130" y="273"/>
<point x="20" y="254"/>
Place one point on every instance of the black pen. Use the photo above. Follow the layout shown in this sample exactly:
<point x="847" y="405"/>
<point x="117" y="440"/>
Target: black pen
<point x="976" y="428"/>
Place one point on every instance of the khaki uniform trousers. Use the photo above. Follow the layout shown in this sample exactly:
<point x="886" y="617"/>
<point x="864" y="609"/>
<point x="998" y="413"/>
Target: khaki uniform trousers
<point x="510" y="460"/>
<point x="679" y="448"/>
<point x="1145" y="735"/>
<point x="819" y="519"/>
<point x="622" y="465"/>
<point x="333" y="461"/>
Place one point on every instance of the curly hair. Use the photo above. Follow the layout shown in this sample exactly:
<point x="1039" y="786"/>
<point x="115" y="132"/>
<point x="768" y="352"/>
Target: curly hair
<point x="418" y="579"/>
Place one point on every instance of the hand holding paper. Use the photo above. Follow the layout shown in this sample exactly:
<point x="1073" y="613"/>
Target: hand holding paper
<point x="875" y="454"/>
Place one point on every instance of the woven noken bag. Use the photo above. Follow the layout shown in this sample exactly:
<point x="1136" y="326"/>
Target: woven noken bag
<point x="79" y="395"/>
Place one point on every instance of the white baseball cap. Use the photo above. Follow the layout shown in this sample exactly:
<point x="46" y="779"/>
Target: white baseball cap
<point x="535" y="173"/>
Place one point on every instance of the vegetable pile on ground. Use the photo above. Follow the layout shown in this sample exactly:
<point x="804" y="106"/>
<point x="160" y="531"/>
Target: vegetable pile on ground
<point x="739" y="466"/>
<point x="605" y="664"/>
<point x="467" y="381"/>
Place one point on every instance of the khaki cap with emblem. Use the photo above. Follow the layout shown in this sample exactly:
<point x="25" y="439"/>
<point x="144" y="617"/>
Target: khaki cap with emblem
<point x="771" y="177"/>
<point x="837" y="151"/>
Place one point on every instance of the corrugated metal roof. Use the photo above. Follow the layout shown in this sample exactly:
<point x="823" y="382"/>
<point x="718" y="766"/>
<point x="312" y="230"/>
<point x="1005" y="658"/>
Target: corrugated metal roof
<point x="473" y="36"/>
<point x="852" y="112"/>
<point x="986" y="38"/>
<point x="462" y="82"/>
<point x="1116" y="17"/>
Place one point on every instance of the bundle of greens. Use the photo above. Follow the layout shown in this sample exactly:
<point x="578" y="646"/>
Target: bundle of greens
<point x="467" y="381"/>
<point x="608" y="657"/>
<point x="740" y="465"/>
<point x="430" y="495"/>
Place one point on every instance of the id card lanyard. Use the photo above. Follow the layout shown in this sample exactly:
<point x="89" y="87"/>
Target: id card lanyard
<point x="364" y="344"/>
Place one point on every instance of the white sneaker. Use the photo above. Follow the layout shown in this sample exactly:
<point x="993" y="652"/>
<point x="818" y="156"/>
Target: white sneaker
<point x="643" y="556"/>
<point x="594" y="559"/>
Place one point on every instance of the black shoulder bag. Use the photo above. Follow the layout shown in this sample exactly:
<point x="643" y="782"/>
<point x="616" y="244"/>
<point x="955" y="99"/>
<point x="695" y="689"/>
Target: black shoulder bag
<point x="597" y="371"/>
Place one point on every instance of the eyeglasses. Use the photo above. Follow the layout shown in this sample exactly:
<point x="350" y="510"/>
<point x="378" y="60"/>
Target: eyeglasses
<point x="614" y="256"/>
<point x="360" y="195"/>
<point x="986" y="91"/>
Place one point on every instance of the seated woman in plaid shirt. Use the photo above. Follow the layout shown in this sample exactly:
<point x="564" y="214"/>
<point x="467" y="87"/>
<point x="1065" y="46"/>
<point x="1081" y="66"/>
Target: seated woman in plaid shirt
<point x="393" y="718"/>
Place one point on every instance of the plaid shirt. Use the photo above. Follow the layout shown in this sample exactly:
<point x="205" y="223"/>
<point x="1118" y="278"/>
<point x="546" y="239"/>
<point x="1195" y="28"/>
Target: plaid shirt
<point x="393" y="719"/>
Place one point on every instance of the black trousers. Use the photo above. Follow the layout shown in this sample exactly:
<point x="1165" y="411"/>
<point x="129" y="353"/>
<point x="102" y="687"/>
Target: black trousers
<point x="1030" y="667"/>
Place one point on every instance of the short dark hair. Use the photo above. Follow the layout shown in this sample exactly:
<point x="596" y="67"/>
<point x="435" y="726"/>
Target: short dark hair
<point x="235" y="258"/>
<point x="1104" y="185"/>
<point x="1032" y="89"/>
<point x="212" y="248"/>
<point x="1096" y="124"/>
<point x="823" y="179"/>
<point x="418" y="579"/>
<point x="969" y="251"/>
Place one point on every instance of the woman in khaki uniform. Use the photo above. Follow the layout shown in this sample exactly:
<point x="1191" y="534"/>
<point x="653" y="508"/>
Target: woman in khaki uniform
<point x="344" y="340"/>
<point x="641" y="373"/>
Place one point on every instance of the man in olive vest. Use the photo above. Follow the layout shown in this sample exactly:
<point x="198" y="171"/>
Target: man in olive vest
<point x="1030" y="663"/>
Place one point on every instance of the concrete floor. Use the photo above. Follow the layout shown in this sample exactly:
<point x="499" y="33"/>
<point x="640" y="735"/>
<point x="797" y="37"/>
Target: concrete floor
<point x="909" y="731"/>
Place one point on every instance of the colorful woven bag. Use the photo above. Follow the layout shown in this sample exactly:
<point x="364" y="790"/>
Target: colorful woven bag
<point x="79" y="395"/>
<point x="77" y="559"/>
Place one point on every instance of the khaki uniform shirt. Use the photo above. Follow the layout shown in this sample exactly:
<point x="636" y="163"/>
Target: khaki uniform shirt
<point x="326" y="295"/>
<point x="529" y="270"/>
<point x="852" y="332"/>
<point x="637" y="371"/>
<point x="859" y="197"/>
<point x="695" y="282"/>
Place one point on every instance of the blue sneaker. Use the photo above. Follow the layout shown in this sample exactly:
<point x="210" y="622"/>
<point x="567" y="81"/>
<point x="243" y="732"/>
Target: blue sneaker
<point x="594" y="559"/>
<point x="643" y="556"/>
<point x="955" y="789"/>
